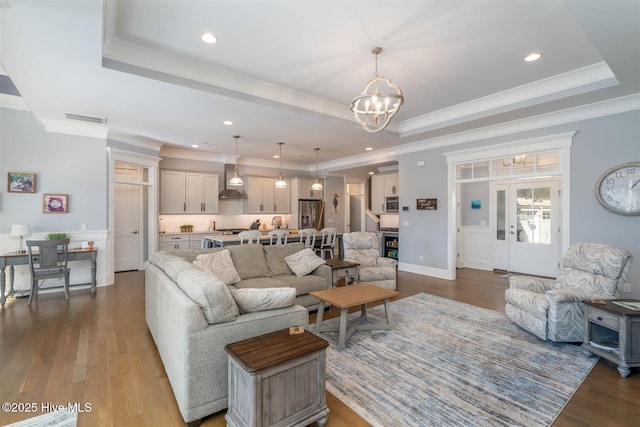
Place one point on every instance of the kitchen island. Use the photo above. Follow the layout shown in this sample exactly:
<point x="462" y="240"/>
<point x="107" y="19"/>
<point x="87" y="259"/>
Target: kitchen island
<point x="220" y="241"/>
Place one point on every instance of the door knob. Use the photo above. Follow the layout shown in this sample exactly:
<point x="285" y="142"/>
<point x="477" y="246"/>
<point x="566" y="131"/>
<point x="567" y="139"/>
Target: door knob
<point x="134" y="232"/>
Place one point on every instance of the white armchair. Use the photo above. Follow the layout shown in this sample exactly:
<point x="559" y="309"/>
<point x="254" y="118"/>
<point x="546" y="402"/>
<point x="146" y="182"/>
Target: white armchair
<point x="552" y="308"/>
<point x="364" y="249"/>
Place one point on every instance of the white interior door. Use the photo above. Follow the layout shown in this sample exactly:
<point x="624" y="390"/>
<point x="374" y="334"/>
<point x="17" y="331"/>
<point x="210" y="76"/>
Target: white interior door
<point x="533" y="227"/>
<point x="128" y="226"/>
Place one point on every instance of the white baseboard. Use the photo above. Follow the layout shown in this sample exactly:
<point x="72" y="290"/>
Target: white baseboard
<point x="425" y="271"/>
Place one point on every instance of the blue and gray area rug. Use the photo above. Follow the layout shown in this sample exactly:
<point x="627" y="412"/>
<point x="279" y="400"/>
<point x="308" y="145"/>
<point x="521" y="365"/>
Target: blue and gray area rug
<point x="52" y="419"/>
<point x="451" y="364"/>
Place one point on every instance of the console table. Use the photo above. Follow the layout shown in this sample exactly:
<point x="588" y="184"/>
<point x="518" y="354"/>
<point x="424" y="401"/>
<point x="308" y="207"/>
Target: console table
<point x="346" y="270"/>
<point x="11" y="259"/>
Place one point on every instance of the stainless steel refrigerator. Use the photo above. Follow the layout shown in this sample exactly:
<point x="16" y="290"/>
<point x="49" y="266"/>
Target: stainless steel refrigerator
<point x="311" y="214"/>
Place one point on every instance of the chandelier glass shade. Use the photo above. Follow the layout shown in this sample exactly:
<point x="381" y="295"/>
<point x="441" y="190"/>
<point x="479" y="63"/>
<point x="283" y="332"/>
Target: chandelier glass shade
<point x="317" y="185"/>
<point x="379" y="101"/>
<point x="280" y="182"/>
<point x="235" y="179"/>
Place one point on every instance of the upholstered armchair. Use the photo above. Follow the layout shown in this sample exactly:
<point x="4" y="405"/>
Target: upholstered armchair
<point x="364" y="248"/>
<point x="552" y="308"/>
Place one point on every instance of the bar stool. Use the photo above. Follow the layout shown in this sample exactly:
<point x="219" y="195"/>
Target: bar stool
<point x="308" y="237"/>
<point x="252" y="236"/>
<point x="328" y="242"/>
<point x="279" y="236"/>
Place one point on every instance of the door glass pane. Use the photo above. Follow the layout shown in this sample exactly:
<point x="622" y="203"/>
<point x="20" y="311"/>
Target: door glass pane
<point x="481" y="169"/>
<point x="501" y="215"/>
<point x="548" y="162"/>
<point x="534" y="215"/>
<point x="463" y="171"/>
<point x="522" y="164"/>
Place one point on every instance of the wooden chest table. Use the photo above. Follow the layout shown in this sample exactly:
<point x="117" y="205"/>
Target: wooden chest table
<point x="346" y="270"/>
<point x="277" y="379"/>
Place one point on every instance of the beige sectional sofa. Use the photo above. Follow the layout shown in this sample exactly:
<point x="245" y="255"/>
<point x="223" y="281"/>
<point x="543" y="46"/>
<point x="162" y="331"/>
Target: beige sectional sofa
<point x="192" y="315"/>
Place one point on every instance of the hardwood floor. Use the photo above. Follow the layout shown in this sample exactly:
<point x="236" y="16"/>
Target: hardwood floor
<point x="98" y="351"/>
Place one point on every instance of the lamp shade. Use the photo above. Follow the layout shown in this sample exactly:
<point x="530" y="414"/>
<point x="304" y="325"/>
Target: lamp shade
<point x="21" y="230"/>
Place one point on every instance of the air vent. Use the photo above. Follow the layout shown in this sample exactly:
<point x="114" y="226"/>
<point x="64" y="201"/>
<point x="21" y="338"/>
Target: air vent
<point x="83" y="118"/>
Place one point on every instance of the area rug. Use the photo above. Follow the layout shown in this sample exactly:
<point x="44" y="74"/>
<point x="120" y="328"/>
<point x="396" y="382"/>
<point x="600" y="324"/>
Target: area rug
<point x="452" y="364"/>
<point x="52" y="419"/>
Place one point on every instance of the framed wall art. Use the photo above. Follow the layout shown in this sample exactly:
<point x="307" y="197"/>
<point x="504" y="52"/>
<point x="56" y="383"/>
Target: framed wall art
<point x="55" y="203"/>
<point x="21" y="182"/>
<point x="427" y="204"/>
<point x="335" y="202"/>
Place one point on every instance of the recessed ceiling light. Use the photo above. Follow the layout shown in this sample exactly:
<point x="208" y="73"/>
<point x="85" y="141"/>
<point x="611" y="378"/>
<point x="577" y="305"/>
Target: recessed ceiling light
<point x="368" y="148"/>
<point x="228" y="122"/>
<point x="276" y="156"/>
<point x="371" y="173"/>
<point x="534" y="56"/>
<point x="209" y="38"/>
<point x="195" y="145"/>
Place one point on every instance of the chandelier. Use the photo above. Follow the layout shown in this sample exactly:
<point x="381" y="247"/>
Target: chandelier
<point x="317" y="185"/>
<point x="236" y="180"/>
<point x="280" y="183"/>
<point x="372" y="109"/>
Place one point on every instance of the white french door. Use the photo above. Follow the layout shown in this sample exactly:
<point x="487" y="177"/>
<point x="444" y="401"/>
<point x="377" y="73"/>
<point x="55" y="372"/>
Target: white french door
<point x="527" y="227"/>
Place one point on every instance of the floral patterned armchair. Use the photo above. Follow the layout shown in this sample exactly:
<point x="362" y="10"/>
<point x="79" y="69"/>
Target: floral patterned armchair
<point x="552" y="308"/>
<point x="364" y="248"/>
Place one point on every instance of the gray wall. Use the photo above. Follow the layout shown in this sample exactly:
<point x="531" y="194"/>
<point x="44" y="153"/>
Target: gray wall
<point x="597" y="145"/>
<point x="66" y="164"/>
<point x="334" y="184"/>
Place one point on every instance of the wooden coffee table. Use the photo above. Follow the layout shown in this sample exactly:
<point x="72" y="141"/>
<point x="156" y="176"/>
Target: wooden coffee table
<point x="346" y="297"/>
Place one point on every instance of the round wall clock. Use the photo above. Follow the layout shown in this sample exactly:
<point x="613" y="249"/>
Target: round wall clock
<point x="618" y="189"/>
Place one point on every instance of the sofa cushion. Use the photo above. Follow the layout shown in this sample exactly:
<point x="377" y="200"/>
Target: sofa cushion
<point x="213" y="296"/>
<point x="262" y="282"/>
<point x="175" y="265"/>
<point x="249" y="261"/>
<point x="304" y="284"/>
<point x="304" y="262"/>
<point x="275" y="255"/>
<point x="251" y="300"/>
<point x="218" y="264"/>
<point x="587" y="282"/>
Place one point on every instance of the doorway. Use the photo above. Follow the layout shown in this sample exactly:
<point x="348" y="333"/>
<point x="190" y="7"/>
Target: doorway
<point x="355" y="213"/>
<point x="526" y="221"/>
<point x="128" y="227"/>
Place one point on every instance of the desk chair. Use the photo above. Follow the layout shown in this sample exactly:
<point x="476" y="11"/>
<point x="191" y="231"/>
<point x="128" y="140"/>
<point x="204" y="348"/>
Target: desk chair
<point x="328" y="242"/>
<point x="279" y="236"/>
<point x="308" y="237"/>
<point x="52" y="263"/>
<point x="251" y="236"/>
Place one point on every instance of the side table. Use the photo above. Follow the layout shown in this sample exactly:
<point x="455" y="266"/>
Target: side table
<point x="613" y="332"/>
<point x="277" y="379"/>
<point x="343" y="269"/>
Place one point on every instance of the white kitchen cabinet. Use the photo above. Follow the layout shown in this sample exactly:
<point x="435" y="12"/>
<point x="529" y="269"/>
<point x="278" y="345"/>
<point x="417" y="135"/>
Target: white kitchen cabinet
<point x="305" y="191"/>
<point x="383" y="186"/>
<point x="188" y="193"/>
<point x="263" y="197"/>
<point x="181" y="241"/>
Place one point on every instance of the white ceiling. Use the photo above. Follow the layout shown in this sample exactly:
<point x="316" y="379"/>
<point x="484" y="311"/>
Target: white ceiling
<point x="288" y="70"/>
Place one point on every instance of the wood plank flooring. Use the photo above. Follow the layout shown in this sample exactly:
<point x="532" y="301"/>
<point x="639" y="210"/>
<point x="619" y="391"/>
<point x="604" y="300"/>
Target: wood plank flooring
<point x="98" y="351"/>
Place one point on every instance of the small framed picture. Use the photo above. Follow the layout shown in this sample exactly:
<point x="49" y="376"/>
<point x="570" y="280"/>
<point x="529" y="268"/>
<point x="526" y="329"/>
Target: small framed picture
<point x="427" y="204"/>
<point x="476" y="204"/>
<point x="55" y="203"/>
<point x="21" y="182"/>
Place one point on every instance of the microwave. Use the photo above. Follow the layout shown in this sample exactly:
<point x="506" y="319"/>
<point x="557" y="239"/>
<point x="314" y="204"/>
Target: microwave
<point x="391" y="205"/>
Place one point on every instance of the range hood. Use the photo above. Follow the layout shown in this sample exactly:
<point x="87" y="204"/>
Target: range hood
<point x="230" y="193"/>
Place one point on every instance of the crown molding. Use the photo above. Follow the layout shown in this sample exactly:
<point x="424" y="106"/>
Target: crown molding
<point x="13" y="102"/>
<point x="80" y="129"/>
<point x="586" y="79"/>
<point x="136" y="141"/>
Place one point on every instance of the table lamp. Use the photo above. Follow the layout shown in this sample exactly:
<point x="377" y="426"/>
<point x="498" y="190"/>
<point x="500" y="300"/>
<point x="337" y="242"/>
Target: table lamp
<point x="22" y="231"/>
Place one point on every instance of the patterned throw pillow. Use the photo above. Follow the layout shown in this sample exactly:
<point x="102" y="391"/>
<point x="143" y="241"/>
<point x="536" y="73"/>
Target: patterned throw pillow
<point x="218" y="264"/>
<point x="303" y="262"/>
<point x="254" y="299"/>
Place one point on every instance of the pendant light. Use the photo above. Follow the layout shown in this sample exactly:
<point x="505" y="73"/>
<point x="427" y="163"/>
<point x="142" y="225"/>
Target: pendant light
<point x="280" y="183"/>
<point x="317" y="185"/>
<point x="236" y="180"/>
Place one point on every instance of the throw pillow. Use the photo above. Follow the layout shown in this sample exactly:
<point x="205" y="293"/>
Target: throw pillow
<point x="218" y="264"/>
<point x="253" y="299"/>
<point x="213" y="296"/>
<point x="303" y="262"/>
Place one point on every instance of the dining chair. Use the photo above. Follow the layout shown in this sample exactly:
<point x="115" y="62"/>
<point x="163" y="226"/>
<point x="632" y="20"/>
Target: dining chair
<point x="251" y="236"/>
<point x="278" y="237"/>
<point x="49" y="262"/>
<point x="328" y="242"/>
<point x="308" y="237"/>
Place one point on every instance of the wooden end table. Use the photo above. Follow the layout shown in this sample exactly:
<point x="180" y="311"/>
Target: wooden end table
<point x="343" y="269"/>
<point x="346" y="297"/>
<point x="609" y="323"/>
<point x="277" y="379"/>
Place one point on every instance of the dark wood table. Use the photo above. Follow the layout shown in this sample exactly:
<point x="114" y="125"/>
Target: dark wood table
<point x="343" y="270"/>
<point x="346" y="297"/>
<point x="277" y="379"/>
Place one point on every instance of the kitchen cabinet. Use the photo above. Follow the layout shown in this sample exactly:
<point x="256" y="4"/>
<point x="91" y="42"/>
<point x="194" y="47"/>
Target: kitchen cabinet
<point x="181" y="241"/>
<point x="188" y="192"/>
<point x="263" y="197"/>
<point x="383" y="186"/>
<point x="305" y="191"/>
